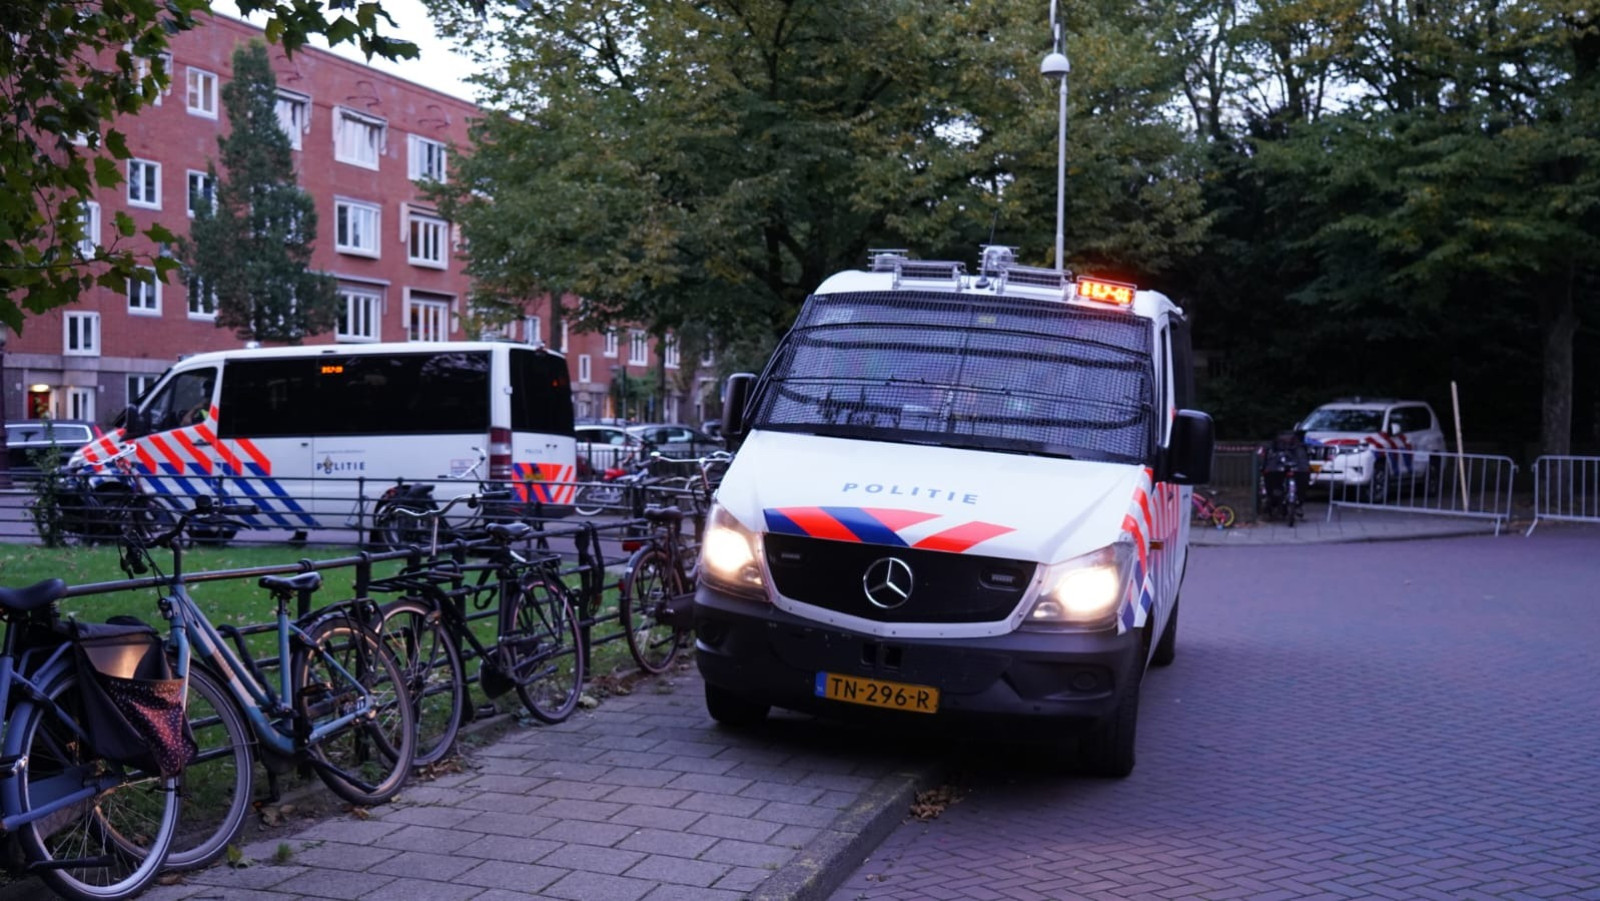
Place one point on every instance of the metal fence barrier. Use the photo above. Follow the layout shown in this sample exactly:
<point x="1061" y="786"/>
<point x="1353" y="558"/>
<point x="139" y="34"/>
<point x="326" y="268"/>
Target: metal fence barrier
<point x="1412" y="481"/>
<point x="1566" y="489"/>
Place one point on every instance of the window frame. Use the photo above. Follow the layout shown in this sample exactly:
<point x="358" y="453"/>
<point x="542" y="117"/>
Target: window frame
<point x="437" y="310"/>
<point x="340" y="218"/>
<point x="585" y="369"/>
<point x="418" y="225"/>
<point x="89" y="220"/>
<point x="421" y="161"/>
<point x="86" y="334"/>
<point x="638" y="347"/>
<point x="209" y="186"/>
<point x="344" y="117"/>
<point x="150" y="305"/>
<point x="149" y="171"/>
<point x="611" y="346"/>
<point x="369" y="297"/>
<point x="208" y="83"/>
<point x="294" y="100"/>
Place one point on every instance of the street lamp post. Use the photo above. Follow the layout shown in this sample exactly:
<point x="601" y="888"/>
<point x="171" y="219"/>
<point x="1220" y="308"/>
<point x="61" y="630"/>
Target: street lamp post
<point x="1055" y="66"/>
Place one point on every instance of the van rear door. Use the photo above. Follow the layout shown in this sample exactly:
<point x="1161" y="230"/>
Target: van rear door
<point x="543" y="450"/>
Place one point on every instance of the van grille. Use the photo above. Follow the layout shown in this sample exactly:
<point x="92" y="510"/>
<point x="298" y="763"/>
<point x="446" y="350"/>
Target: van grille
<point x="946" y="587"/>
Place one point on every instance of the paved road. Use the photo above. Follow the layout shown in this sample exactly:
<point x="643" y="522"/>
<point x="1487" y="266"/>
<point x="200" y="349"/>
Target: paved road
<point x="1400" y="720"/>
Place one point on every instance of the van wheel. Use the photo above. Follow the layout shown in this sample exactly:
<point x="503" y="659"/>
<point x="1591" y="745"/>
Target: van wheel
<point x="734" y="710"/>
<point x="1167" y="647"/>
<point x="1107" y="751"/>
<point x="1378" y="489"/>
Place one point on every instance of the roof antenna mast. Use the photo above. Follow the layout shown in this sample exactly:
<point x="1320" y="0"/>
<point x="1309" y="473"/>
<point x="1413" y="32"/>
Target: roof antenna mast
<point x="1055" y="67"/>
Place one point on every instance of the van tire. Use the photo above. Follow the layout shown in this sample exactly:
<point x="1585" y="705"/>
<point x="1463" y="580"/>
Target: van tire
<point x="735" y="711"/>
<point x="1167" y="647"/>
<point x="1107" y="752"/>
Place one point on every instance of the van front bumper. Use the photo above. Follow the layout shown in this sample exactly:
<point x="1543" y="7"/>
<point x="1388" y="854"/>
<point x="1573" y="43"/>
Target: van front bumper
<point x="1036" y="684"/>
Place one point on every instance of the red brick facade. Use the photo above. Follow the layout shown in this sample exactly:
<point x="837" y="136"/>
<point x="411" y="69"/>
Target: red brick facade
<point x="362" y="135"/>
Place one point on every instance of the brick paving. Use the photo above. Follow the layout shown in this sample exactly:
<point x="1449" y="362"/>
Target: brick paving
<point x="1385" y="720"/>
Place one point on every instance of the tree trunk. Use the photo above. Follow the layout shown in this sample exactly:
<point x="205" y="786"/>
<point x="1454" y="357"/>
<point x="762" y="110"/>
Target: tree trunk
<point x="1560" y="325"/>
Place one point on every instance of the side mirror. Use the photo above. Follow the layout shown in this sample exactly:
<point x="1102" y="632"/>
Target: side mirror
<point x="733" y="403"/>
<point x="1395" y="429"/>
<point x="135" y="422"/>
<point x="1187" y="460"/>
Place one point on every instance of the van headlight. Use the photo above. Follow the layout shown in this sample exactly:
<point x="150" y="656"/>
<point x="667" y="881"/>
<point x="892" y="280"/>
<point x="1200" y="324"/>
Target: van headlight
<point x="730" y="556"/>
<point x="1084" y="592"/>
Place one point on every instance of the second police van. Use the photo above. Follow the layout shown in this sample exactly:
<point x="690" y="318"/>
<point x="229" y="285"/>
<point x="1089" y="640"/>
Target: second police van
<point x="958" y="497"/>
<point x="310" y="435"/>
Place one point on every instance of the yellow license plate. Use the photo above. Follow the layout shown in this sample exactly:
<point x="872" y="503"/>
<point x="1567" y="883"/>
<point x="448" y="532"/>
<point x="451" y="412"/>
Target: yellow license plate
<point x="878" y="693"/>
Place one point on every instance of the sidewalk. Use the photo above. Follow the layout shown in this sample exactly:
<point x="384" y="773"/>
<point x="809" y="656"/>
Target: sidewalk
<point x="642" y="798"/>
<point x="1345" y="525"/>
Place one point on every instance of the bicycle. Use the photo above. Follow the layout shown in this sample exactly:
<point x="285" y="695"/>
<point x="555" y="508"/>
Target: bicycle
<point x="397" y="517"/>
<point x="661" y="574"/>
<point x="537" y="650"/>
<point x="339" y="705"/>
<point x="90" y="826"/>
<point x="93" y="501"/>
<point x="1206" y="509"/>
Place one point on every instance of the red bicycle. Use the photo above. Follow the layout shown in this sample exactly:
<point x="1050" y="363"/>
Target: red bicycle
<point x="1207" y="510"/>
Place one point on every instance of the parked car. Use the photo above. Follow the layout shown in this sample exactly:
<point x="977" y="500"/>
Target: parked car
<point x="1371" y="445"/>
<point x="675" y="440"/>
<point x="25" y="440"/>
<point x="602" y="447"/>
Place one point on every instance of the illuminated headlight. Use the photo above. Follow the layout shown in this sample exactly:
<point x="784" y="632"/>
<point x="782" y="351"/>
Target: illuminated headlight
<point x="730" y="556"/>
<point x="1084" y="592"/>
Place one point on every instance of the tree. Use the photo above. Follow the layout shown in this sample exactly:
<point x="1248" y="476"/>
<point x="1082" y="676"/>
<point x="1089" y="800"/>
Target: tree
<point x="251" y="249"/>
<point x="706" y="165"/>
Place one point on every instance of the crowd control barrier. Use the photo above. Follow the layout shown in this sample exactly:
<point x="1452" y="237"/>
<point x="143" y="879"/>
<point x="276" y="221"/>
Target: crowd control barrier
<point x="1566" y="489"/>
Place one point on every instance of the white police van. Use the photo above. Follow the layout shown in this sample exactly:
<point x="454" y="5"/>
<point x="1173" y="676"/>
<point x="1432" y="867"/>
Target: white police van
<point x="957" y="497"/>
<point x="304" y="432"/>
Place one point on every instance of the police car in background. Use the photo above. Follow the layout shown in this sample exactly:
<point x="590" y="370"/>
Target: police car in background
<point x="1364" y="448"/>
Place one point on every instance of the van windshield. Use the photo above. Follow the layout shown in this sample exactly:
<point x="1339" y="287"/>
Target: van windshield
<point x="1007" y="374"/>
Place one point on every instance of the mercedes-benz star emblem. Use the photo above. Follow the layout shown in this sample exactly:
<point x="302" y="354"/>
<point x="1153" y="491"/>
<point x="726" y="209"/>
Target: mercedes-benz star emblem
<point x="888" y="582"/>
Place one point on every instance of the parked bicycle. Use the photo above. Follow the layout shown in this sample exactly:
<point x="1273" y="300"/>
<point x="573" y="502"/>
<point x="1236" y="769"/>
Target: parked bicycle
<point x="658" y="586"/>
<point x="338" y="704"/>
<point x="407" y="514"/>
<point x="89" y="824"/>
<point x="536" y="646"/>
<point x="1205" y="508"/>
<point x="89" y="502"/>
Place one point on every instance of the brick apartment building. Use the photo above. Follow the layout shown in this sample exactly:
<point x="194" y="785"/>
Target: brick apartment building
<point x="364" y="142"/>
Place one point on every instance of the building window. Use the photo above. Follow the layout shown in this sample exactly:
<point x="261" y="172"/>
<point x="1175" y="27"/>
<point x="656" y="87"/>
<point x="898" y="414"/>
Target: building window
<point x="708" y="359"/>
<point x="532" y="330"/>
<point x="428" y="318"/>
<point x="80" y="403"/>
<point x="202" y="92"/>
<point x="564" y="337"/>
<point x="359" y="321"/>
<point x="357" y="139"/>
<point x="611" y="343"/>
<point x="144" y="296"/>
<point x="138" y="385"/>
<point x="202" y="299"/>
<point x="425" y="159"/>
<point x="356" y="227"/>
<point x="141" y="71"/>
<point x="669" y="352"/>
<point x="82" y="335"/>
<point x="638" y="347"/>
<point x="428" y="236"/>
<point x="202" y="192"/>
<point x="294" y="116"/>
<point x="89" y="221"/>
<point x="144" y="184"/>
<point x="583" y="368"/>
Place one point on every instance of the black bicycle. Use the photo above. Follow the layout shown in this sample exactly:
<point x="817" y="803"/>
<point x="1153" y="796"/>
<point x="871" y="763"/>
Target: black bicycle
<point x="535" y="647"/>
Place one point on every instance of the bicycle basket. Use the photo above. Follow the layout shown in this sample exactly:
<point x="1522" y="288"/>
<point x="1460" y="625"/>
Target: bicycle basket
<point x="133" y="709"/>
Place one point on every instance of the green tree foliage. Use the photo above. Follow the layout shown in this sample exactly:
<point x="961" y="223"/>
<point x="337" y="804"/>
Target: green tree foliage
<point x="706" y="165"/>
<point x="252" y="249"/>
<point x="68" y="69"/>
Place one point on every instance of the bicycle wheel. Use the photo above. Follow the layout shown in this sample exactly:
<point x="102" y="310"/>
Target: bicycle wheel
<point x="1223" y="516"/>
<point x="543" y="652"/>
<point x="398" y="526"/>
<point x="435" y="678"/>
<point x="218" y="787"/>
<point x="112" y="843"/>
<point x="650" y="581"/>
<point x="367" y="760"/>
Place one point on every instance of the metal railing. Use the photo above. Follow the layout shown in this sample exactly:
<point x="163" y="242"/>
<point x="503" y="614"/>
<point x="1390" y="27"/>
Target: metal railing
<point x="1565" y="488"/>
<point x="1412" y="481"/>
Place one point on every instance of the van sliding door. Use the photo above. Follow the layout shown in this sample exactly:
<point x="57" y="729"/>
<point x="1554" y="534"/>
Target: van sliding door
<point x="264" y="423"/>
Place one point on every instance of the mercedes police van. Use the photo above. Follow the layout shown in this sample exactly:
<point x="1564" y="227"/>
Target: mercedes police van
<point x="310" y="434"/>
<point x="958" y="497"/>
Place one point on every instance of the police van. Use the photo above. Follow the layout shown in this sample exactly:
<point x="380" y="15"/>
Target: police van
<point x="958" y="497"/>
<point x="307" y="434"/>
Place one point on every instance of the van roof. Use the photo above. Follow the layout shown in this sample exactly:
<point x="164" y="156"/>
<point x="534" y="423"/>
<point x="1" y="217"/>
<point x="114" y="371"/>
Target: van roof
<point x="387" y="347"/>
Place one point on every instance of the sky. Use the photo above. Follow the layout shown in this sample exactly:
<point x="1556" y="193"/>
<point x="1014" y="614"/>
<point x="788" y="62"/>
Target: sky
<point x="439" y="67"/>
